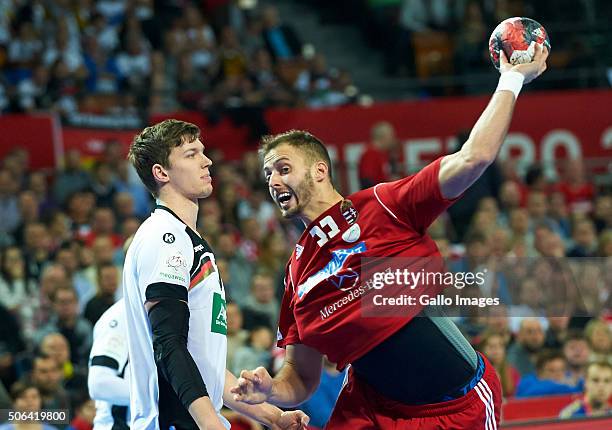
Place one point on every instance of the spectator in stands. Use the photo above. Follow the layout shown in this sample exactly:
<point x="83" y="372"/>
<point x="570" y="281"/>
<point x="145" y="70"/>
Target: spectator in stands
<point x="24" y="49"/>
<point x="375" y="163"/>
<point x="603" y="212"/>
<point x="67" y="321"/>
<point x="72" y="179"/>
<point x="53" y="277"/>
<point x="236" y="335"/>
<point x="9" y="208"/>
<point x="26" y="397"/>
<point x="103" y="225"/>
<point x="579" y="193"/>
<point x="576" y="351"/>
<point x="37" y="183"/>
<point x="84" y="412"/>
<point x="47" y="376"/>
<point x="472" y="37"/>
<point x="529" y="341"/>
<point x="320" y="405"/>
<point x="591" y="288"/>
<point x="37" y="249"/>
<point x="33" y="93"/>
<point x="28" y="213"/>
<point x="605" y="244"/>
<point x="549" y="379"/>
<point x="241" y="270"/>
<point x="108" y="284"/>
<point x="134" y="61"/>
<point x="123" y="206"/>
<point x="493" y="346"/>
<point x="256" y="352"/>
<point x="547" y="241"/>
<point x="62" y="48"/>
<point x="125" y="181"/>
<point x="56" y="346"/>
<point x="556" y="333"/>
<point x="529" y="302"/>
<point x="261" y="302"/>
<point x="5" y="400"/>
<point x="280" y="40"/>
<point x="67" y="257"/>
<point x="584" y="238"/>
<point x="15" y="288"/>
<point x="509" y="199"/>
<point x="59" y="225"/>
<point x="599" y="336"/>
<point x="103" y="184"/>
<point x="11" y="344"/>
<point x="597" y="393"/>
<point x="251" y="239"/>
<point x="537" y="206"/>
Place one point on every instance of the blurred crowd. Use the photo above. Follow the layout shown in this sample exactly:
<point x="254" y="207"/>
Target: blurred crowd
<point x="547" y="247"/>
<point x="430" y="38"/>
<point x="131" y="58"/>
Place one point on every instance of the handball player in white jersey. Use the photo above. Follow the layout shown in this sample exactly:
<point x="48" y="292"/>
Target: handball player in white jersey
<point x="107" y="379"/>
<point x="175" y="299"/>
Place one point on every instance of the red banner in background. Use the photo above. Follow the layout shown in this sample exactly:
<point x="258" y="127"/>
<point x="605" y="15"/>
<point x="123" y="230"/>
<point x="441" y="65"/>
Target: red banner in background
<point x="546" y="126"/>
<point x="39" y="135"/>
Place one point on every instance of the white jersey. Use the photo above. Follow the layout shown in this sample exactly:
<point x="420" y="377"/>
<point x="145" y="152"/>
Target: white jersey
<point x="166" y="251"/>
<point x="110" y="349"/>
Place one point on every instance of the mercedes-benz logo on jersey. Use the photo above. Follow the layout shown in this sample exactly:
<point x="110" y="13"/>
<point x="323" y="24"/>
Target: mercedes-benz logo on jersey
<point x="333" y="269"/>
<point x="113" y="324"/>
<point x="352" y="234"/>
<point x="345" y="280"/>
<point x="168" y="238"/>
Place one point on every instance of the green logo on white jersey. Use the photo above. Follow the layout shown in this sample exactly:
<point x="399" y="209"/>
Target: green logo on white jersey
<point x="219" y="315"/>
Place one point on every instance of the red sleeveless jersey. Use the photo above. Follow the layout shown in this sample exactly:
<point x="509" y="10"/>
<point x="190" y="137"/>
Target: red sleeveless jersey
<point x="321" y="306"/>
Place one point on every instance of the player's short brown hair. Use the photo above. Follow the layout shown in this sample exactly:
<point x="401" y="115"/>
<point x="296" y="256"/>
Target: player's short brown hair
<point x="153" y="145"/>
<point x="312" y="147"/>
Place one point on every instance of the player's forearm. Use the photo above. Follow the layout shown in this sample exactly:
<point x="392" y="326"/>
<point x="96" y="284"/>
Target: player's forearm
<point x="460" y="170"/>
<point x="203" y="413"/>
<point x="263" y="413"/>
<point x="489" y="132"/>
<point x="289" y="388"/>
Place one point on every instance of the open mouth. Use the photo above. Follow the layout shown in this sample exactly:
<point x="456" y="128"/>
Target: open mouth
<point x="283" y="198"/>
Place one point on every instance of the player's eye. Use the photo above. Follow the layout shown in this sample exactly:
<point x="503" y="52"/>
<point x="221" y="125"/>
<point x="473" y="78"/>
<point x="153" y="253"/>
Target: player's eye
<point x="284" y="170"/>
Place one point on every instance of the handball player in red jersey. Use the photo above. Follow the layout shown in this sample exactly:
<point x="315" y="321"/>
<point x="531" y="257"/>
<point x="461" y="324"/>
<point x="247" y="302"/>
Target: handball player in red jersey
<point x="405" y="373"/>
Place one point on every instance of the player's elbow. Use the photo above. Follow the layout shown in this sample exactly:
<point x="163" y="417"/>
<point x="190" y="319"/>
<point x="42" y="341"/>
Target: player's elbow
<point x="97" y="385"/>
<point x="94" y="388"/>
<point x="477" y="161"/>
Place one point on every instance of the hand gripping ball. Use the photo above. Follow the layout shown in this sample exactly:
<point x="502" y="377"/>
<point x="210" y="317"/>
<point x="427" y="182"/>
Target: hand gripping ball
<point x="516" y="36"/>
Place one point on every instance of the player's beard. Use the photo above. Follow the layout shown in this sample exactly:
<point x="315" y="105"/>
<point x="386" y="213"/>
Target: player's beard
<point x="303" y="195"/>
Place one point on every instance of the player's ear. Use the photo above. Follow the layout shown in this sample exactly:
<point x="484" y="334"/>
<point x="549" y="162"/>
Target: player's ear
<point x="160" y="174"/>
<point x="321" y="171"/>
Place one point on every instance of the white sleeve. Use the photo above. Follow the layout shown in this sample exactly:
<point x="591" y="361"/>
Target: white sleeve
<point x="104" y="384"/>
<point x="165" y="258"/>
<point x="110" y="342"/>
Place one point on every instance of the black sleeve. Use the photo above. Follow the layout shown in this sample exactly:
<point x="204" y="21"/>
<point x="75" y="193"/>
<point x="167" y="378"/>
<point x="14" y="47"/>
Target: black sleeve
<point x="105" y="361"/>
<point x="170" y="325"/>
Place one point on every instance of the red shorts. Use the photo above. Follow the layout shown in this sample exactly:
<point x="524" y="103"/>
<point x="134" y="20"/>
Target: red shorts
<point x="360" y="407"/>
